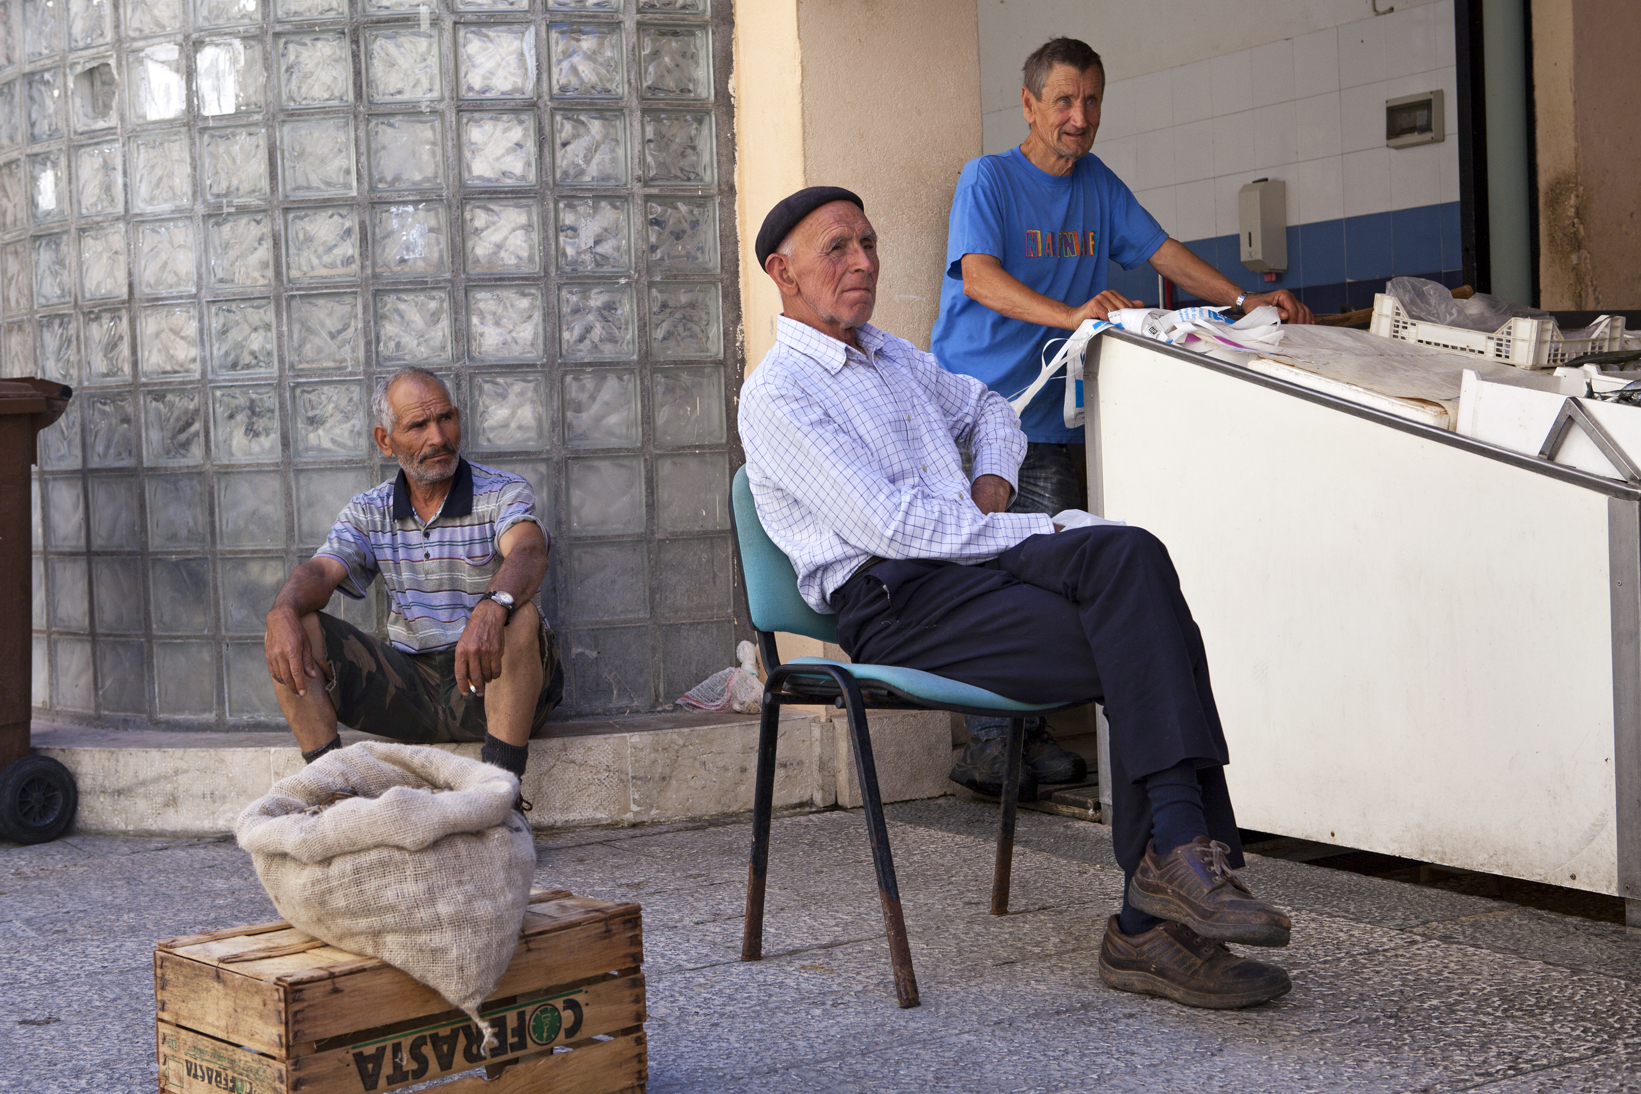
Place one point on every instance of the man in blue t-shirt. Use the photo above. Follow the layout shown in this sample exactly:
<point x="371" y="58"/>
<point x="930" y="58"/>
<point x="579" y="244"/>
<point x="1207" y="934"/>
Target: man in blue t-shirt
<point x="1031" y="233"/>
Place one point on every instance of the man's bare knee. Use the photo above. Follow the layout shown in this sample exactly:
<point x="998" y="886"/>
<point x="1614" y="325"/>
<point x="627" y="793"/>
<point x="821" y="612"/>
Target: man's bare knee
<point x="523" y="632"/>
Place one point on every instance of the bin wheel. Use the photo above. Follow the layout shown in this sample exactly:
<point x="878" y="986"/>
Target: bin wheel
<point x="37" y="800"/>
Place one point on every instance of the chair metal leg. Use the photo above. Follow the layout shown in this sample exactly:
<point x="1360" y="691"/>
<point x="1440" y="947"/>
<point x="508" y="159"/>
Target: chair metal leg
<point x="1015" y="759"/>
<point x="763" y="797"/>
<point x="900" y="953"/>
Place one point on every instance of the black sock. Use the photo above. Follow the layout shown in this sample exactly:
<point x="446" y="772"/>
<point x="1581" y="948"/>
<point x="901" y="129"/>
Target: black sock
<point x="335" y="743"/>
<point x="503" y="755"/>
<point x="1131" y="920"/>
<point x="1176" y="806"/>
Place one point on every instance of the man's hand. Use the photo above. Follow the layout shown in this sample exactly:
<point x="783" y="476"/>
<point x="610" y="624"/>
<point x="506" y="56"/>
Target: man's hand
<point x="285" y="644"/>
<point x="1102" y="306"/>
<point x="289" y="654"/>
<point x="478" y="653"/>
<point x="991" y="493"/>
<point x="1284" y="301"/>
<point x="1175" y="261"/>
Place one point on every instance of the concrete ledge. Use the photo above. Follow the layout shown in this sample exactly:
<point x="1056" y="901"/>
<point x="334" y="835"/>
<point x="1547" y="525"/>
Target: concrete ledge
<point x="911" y="750"/>
<point x="647" y="768"/>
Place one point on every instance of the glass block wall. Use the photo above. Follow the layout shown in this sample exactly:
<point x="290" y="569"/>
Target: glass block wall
<point x="221" y="219"/>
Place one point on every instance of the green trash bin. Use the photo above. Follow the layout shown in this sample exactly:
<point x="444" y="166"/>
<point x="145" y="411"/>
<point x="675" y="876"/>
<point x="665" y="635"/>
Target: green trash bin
<point x="37" y="794"/>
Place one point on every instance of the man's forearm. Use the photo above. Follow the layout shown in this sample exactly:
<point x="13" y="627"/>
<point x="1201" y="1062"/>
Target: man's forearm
<point x="1175" y="261"/>
<point x="521" y="572"/>
<point x="307" y="590"/>
<point x="986" y="282"/>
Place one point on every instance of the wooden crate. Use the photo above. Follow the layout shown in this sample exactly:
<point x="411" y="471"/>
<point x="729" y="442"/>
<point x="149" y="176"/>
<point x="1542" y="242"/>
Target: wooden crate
<point x="270" y="1010"/>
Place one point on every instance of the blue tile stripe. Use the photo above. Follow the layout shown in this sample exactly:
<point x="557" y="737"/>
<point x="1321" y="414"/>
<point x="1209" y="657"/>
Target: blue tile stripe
<point x="1333" y="265"/>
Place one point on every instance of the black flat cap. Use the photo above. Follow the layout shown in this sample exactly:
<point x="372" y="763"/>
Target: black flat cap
<point x="785" y="216"/>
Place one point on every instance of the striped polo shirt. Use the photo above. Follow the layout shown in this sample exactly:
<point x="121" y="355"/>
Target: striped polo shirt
<point x="435" y="572"/>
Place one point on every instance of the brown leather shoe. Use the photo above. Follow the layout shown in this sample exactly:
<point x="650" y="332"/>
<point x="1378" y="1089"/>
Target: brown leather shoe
<point x="1175" y="962"/>
<point x="1193" y="885"/>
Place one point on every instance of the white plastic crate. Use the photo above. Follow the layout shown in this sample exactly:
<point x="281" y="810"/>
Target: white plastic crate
<point x="1525" y="343"/>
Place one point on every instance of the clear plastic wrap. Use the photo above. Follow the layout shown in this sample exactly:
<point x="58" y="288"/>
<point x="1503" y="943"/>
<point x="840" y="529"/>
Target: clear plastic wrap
<point x="1433" y="302"/>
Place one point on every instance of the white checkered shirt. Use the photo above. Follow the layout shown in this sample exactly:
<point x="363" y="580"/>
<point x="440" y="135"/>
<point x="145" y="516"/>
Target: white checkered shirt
<point x="853" y="454"/>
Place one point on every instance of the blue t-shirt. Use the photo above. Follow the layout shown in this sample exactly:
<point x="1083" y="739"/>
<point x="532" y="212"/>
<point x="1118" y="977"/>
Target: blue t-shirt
<point x="1054" y="235"/>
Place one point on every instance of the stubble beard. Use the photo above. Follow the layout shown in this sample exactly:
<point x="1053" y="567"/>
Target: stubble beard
<point x="417" y="471"/>
<point x="830" y="317"/>
<point x="1073" y="148"/>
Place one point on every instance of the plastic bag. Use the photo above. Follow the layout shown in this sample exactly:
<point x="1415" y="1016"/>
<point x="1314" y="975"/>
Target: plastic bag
<point x="1261" y="327"/>
<point x="1433" y="302"/>
<point x="737" y="689"/>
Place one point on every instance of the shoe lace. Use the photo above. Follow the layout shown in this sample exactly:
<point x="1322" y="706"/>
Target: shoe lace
<point x="1220" y="868"/>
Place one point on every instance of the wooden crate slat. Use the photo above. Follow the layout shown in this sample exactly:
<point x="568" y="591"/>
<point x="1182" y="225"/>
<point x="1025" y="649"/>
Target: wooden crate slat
<point x="276" y="1002"/>
<point x="195" y="1063"/>
<point x="552" y="915"/>
<point x="241" y="938"/>
<point x="212" y="950"/>
<point x="192" y="1063"/>
<point x="586" y="950"/>
<point x="266" y="952"/>
<point x="327" y="1006"/>
<point x="596" y="1069"/>
<point x="237" y="1008"/>
<point x="226" y="932"/>
<point x="450" y="1043"/>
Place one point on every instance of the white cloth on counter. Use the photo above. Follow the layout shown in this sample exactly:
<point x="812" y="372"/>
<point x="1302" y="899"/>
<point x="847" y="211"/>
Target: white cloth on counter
<point x="1404" y="378"/>
<point x="1081" y="518"/>
<point x="1412" y="381"/>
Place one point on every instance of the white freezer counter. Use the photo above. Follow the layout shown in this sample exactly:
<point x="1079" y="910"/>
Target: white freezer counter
<point x="1421" y="645"/>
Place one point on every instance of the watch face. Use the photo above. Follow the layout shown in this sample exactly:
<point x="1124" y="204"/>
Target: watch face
<point x="504" y="599"/>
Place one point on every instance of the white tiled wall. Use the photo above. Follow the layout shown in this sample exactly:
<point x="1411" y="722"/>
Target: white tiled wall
<point x="1308" y="110"/>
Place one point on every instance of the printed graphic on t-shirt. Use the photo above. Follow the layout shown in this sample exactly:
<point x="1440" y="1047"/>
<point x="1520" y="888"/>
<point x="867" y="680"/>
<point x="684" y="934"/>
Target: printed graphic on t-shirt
<point x="1073" y="244"/>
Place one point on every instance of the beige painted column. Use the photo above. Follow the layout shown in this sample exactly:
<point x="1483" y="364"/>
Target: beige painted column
<point x="882" y="98"/>
<point x="769" y="155"/>
<point x="1587" y="102"/>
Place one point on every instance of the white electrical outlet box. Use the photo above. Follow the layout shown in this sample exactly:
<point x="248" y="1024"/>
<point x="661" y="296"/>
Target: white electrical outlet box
<point x="1262" y="214"/>
<point x="1414" y="119"/>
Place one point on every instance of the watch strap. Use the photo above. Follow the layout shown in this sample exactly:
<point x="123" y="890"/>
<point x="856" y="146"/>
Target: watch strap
<point x="1240" y="298"/>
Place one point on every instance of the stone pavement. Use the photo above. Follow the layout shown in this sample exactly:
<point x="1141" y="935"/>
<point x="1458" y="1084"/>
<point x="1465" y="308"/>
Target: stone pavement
<point x="1396" y="987"/>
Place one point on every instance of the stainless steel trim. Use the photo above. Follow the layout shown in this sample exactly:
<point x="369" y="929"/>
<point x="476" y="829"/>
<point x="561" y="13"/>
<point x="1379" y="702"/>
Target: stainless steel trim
<point x="1599" y="483"/>
<point x="1102" y="751"/>
<point x="1091" y="428"/>
<point x="1624" y="570"/>
<point x="1572" y="413"/>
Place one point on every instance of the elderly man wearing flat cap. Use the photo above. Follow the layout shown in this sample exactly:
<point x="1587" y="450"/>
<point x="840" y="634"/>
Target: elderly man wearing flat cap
<point x="852" y="438"/>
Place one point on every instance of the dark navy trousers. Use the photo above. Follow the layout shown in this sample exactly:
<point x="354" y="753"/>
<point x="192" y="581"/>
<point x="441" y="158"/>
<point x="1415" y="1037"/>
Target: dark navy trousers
<point x="1088" y="613"/>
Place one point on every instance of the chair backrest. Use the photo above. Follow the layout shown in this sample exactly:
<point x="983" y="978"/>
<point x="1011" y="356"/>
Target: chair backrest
<point x="771" y="582"/>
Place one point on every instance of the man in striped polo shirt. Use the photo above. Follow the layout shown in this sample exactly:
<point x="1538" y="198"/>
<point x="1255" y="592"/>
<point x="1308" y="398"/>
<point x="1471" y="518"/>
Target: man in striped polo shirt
<point x="461" y="550"/>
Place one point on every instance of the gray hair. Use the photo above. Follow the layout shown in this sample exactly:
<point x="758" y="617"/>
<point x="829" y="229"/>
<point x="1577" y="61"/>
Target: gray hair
<point x="1058" y="51"/>
<point x="382" y="409"/>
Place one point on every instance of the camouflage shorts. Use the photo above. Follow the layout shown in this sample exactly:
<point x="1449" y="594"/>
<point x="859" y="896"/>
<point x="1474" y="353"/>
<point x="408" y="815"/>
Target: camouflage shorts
<point x="412" y="697"/>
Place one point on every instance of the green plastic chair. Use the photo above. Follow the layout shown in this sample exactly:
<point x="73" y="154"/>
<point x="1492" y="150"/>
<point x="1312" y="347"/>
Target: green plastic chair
<point x="774" y="604"/>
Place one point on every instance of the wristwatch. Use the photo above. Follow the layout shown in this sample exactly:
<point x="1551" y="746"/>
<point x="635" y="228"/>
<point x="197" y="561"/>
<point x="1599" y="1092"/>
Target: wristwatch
<point x="1240" y="297"/>
<point x="504" y="599"/>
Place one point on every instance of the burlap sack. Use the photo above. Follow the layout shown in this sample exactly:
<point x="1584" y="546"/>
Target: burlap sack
<point x="428" y="867"/>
